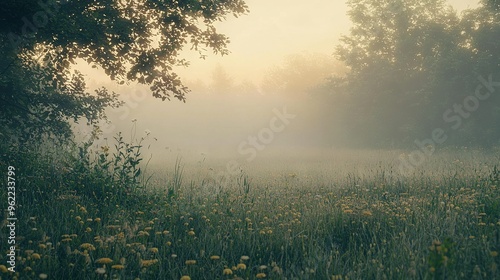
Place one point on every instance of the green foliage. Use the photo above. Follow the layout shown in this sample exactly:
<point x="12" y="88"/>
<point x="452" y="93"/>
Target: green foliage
<point x="495" y="175"/>
<point x="105" y="175"/>
<point x="132" y="41"/>
<point x="176" y="182"/>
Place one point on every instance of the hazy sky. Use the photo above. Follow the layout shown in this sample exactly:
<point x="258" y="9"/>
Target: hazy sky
<point x="271" y="31"/>
<point x="274" y="29"/>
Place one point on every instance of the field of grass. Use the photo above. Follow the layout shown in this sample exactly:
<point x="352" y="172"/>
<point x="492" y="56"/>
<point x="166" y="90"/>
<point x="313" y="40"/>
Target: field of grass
<point x="346" y="215"/>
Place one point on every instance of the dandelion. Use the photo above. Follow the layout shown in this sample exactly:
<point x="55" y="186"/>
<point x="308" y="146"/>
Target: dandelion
<point x="88" y="229"/>
<point x="261" y="275"/>
<point x="277" y="269"/>
<point x="43" y="276"/>
<point x="244" y="258"/>
<point x="366" y="213"/>
<point x="100" y="270"/>
<point x="190" y="262"/>
<point x="35" y="256"/>
<point x="263" y="267"/>
<point x="104" y="261"/>
<point x="153" y="250"/>
<point x="146" y="263"/>
<point x="42" y="246"/>
<point x="227" y="271"/>
<point x="191" y="233"/>
<point x="118" y="266"/>
<point x="97" y="220"/>
<point x="185" y="277"/>
<point x="3" y="269"/>
<point x="215" y="257"/>
<point x="241" y="266"/>
<point x="348" y="211"/>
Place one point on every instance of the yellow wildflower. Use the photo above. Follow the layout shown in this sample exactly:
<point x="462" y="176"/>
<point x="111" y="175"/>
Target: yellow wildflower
<point x="185" y="277"/>
<point x="227" y="271"/>
<point x="3" y="269"/>
<point x="261" y="275"/>
<point x="118" y="266"/>
<point x="366" y="213"/>
<point x="104" y="261"/>
<point x="146" y="263"/>
<point x="214" y="257"/>
<point x="153" y="250"/>
<point x="87" y="246"/>
<point x="189" y="262"/>
<point x="241" y="266"/>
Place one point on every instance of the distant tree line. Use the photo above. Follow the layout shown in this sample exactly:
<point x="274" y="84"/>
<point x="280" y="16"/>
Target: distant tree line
<point x="415" y="66"/>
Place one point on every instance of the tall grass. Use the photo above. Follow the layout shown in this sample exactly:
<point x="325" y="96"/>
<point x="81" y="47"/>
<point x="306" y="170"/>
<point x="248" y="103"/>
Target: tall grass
<point x="369" y="224"/>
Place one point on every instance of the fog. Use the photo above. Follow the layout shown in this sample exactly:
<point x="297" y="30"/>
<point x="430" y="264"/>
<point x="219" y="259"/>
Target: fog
<point x="272" y="95"/>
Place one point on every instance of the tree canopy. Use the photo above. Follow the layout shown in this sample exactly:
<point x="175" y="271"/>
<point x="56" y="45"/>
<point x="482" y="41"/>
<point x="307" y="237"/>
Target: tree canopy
<point x="132" y="41"/>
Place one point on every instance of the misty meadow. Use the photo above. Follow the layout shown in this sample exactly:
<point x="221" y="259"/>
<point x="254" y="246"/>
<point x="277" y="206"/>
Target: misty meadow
<point x="232" y="139"/>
